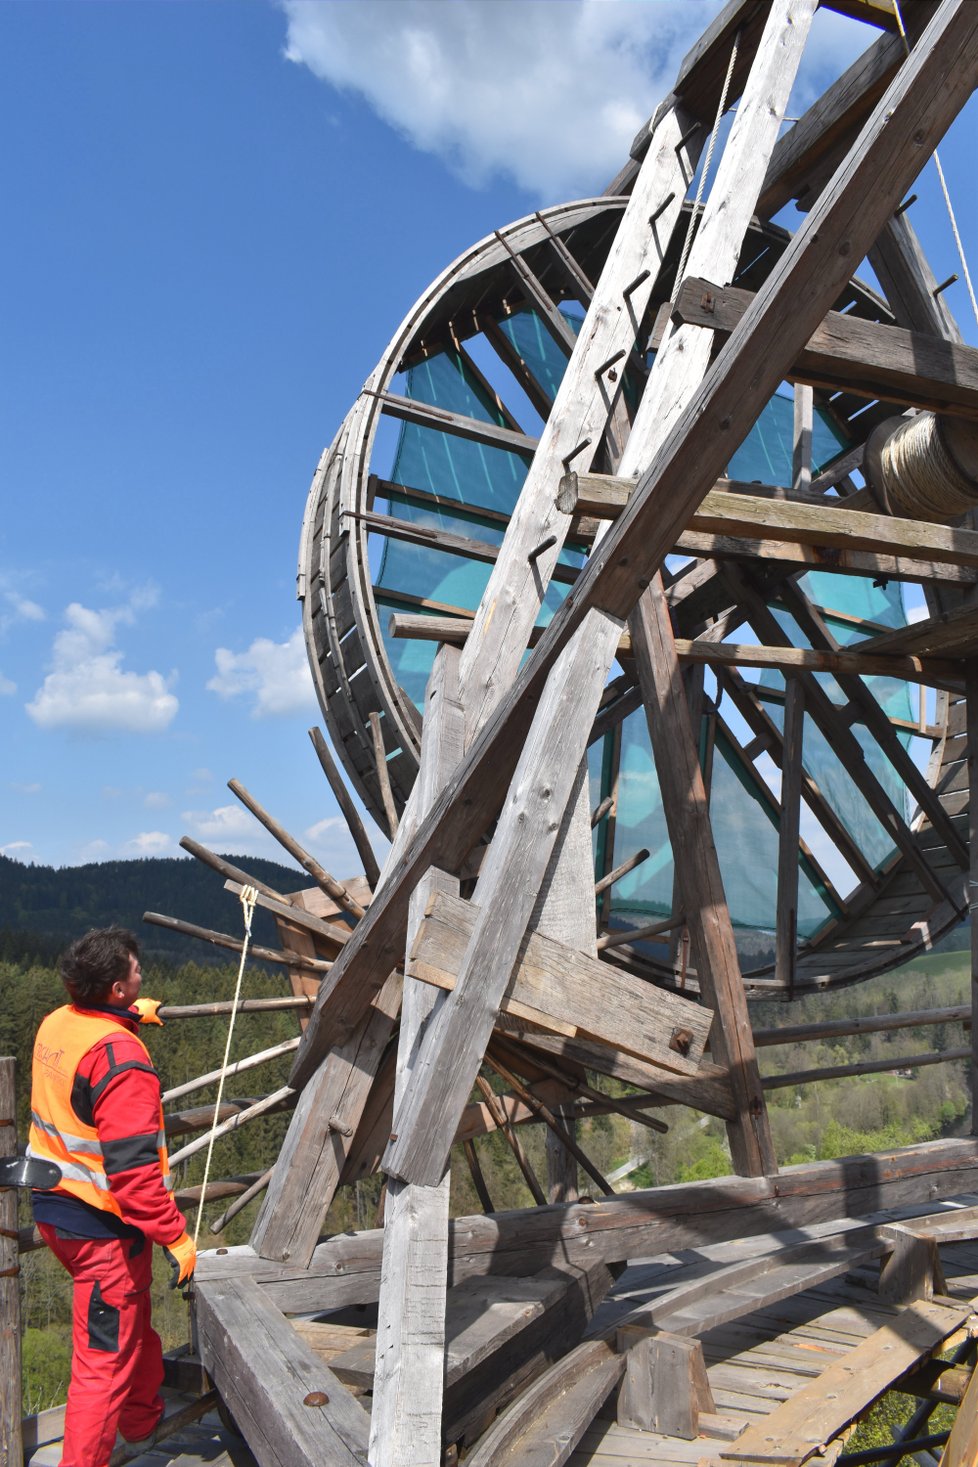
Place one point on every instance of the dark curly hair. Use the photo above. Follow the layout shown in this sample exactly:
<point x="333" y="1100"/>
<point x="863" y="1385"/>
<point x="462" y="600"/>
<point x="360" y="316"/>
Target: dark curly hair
<point x="92" y="963"/>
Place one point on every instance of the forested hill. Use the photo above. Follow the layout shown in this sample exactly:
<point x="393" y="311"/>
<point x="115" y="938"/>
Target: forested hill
<point x="43" y="907"/>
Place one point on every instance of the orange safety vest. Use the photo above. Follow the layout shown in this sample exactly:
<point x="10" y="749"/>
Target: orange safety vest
<point x="57" y="1132"/>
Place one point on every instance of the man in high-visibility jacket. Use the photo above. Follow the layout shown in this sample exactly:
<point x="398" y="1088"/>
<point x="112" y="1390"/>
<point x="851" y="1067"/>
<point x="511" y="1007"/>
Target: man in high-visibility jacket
<point x="96" y="1111"/>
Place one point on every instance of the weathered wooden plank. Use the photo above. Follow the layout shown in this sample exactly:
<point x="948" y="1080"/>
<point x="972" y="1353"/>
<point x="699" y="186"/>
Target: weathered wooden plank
<point x="708" y="1090"/>
<point x="499" y="1335"/>
<point x="543" y="1427"/>
<point x="454" y="1043"/>
<point x="808" y="1421"/>
<point x="826" y="522"/>
<point x="936" y="671"/>
<point x="703" y="69"/>
<point x="289" y="1405"/>
<point x="866" y="358"/>
<point x="405" y="1423"/>
<point x="911" y="116"/>
<point x="346" y="1268"/>
<point x="948" y="634"/>
<point x="565" y="991"/>
<point x="729" y="1293"/>
<point x="321" y="1135"/>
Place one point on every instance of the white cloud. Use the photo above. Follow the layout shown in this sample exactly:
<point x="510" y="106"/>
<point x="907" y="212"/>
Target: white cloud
<point x="226" y="823"/>
<point x="6" y="686"/>
<point x="88" y="690"/>
<point x="150" y="843"/>
<point x="276" y="673"/>
<point x="323" y="830"/>
<point x="157" y="800"/>
<point x="32" y="788"/>
<point x="94" y="850"/>
<point x="549" y="95"/>
<point x="17" y="849"/>
<point x="22" y="608"/>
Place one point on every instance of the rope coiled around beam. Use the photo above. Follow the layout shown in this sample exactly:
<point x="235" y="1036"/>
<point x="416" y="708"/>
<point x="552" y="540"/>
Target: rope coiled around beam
<point x="917" y="473"/>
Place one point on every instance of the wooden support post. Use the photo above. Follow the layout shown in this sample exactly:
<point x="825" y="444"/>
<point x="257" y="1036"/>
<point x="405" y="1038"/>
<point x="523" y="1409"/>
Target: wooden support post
<point x="665" y="1385"/>
<point x="801" y="455"/>
<point x="565" y="910"/>
<point x="11" y="1442"/>
<point x="405" y="1423"/>
<point x="478" y="1180"/>
<point x="913" y="1269"/>
<point x="687" y="814"/>
<point x="789" y="830"/>
<point x="383" y="775"/>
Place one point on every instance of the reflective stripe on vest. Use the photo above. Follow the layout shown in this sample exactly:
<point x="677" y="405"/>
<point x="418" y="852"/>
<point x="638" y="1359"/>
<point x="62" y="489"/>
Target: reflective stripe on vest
<point x="57" y="1132"/>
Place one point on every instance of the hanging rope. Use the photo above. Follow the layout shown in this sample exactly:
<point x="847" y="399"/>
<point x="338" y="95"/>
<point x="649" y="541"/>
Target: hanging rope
<point x="943" y="182"/>
<point x="249" y="896"/>
<point x="704" y="171"/>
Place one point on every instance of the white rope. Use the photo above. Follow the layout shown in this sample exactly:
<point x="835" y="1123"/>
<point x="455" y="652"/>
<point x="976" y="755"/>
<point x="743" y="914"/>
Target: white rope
<point x="944" y="188"/>
<point x="249" y="897"/>
<point x="704" y="171"/>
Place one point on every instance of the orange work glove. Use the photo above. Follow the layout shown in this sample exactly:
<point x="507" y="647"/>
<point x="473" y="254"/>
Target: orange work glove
<point x="182" y="1257"/>
<point x="146" y="1008"/>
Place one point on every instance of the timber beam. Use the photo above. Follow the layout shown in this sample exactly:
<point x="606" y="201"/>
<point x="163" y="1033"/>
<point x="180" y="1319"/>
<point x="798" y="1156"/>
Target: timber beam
<point x="867" y="358"/>
<point x="345" y="1269"/>
<point x="826" y="523"/>
<point x="935" y="671"/>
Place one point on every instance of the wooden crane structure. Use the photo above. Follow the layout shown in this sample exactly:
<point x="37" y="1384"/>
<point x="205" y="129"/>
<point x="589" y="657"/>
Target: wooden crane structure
<point x="529" y="611"/>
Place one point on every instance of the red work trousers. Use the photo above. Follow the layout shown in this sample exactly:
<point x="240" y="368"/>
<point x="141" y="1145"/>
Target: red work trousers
<point x="117" y="1359"/>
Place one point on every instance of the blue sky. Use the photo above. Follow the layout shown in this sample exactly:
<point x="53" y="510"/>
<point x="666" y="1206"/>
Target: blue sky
<point x="215" y="216"/>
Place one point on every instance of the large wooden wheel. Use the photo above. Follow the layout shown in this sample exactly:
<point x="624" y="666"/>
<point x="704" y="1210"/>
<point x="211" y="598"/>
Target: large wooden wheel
<point x="867" y="786"/>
